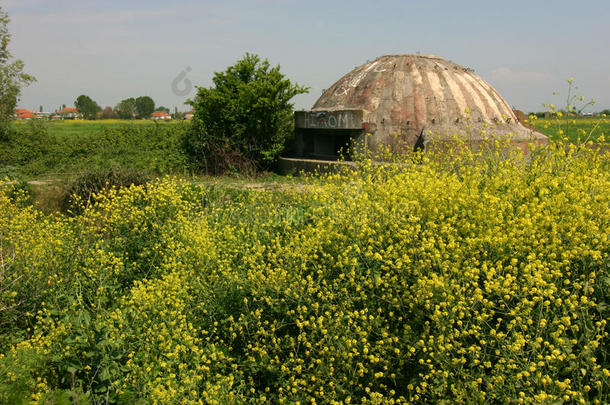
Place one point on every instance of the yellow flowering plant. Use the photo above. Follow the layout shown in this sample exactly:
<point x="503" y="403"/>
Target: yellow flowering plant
<point x="570" y="123"/>
<point x="473" y="275"/>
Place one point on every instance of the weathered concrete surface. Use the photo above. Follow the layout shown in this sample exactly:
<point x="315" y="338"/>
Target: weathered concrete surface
<point x="402" y="94"/>
<point x="295" y="166"/>
<point x="328" y="134"/>
<point x="337" y="119"/>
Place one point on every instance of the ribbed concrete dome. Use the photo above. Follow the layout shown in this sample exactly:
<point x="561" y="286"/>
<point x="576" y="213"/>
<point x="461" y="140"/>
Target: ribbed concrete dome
<point x="401" y="94"/>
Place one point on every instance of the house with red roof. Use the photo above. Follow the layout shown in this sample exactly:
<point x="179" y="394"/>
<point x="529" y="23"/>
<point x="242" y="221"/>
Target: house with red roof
<point x="69" y="113"/>
<point x="26" y="115"/>
<point x="160" y="115"/>
<point x="22" y="114"/>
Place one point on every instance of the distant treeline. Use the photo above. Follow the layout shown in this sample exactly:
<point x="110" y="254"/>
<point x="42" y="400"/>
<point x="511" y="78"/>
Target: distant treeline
<point x="142" y="107"/>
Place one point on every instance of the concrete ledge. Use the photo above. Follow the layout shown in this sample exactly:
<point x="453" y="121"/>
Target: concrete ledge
<point x="288" y="165"/>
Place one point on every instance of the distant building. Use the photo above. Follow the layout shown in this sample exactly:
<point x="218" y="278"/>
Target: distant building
<point x="189" y="115"/>
<point x="26" y="115"/>
<point x="21" y="113"/>
<point x="69" y="113"/>
<point x="161" y="115"/>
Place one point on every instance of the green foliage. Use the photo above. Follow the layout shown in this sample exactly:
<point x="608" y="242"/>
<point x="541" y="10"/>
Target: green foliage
<point x="130" y="108"/>
<point x="81" y="191"/>
<point x="108" y="113"/>
<point x="243" y="121"/>
<point x="38" y="148"/>
<point x="126" y="109"/>
<point x="465" y="278"/>
<point x="145" y="106"/>
<point x="12" y="78"/>
<point x="28" y="147"/>
<point x="87" y="106"/>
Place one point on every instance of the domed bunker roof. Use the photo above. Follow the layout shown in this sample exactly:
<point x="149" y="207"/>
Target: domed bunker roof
<point x="402" y="94"/>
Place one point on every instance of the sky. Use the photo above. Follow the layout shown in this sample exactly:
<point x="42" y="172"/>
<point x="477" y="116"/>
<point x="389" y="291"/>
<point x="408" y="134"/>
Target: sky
<point x="111" y="50"/>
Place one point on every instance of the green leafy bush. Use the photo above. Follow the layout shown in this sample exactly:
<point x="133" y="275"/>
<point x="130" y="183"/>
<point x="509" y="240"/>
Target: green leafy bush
<point x="29" y="147"/>
<point x="81" y="191"/>
<point x="35" y="148"/>
<point x="243" y="121"/>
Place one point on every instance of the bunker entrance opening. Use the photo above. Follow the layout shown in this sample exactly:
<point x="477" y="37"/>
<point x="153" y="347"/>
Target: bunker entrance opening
<point x="328" y="135"/>
<point x="329" y="145"/>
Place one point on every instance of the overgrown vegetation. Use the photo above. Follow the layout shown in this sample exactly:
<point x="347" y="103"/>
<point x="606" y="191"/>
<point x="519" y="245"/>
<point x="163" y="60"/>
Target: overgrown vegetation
<point x="242" y="123"/>
<point x="37" y="148"/>
<point x="81" y="191"/>
<point x="464" y="278"/>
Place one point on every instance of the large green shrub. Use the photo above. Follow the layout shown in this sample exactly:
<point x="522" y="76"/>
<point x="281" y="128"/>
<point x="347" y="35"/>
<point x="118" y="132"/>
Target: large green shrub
<point x="28" y="146"/>
<point x="243" y="121"/>
<point x="80" y="193"/>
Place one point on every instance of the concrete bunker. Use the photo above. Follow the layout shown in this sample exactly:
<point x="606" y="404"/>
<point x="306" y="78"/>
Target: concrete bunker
<point x="328" y="134"/>
<point x="407" y="99"/>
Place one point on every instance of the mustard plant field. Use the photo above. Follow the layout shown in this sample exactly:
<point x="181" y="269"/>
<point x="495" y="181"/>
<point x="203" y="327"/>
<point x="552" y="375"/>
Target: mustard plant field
<point x="479" y="278"/>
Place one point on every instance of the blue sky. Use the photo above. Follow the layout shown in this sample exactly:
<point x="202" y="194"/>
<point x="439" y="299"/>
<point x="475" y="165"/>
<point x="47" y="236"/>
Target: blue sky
<point x="112" y="50"/>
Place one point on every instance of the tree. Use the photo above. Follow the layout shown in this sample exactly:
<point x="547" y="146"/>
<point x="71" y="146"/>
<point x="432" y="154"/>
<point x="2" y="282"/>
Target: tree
<point x="12" y="78"/>
<point x="126" y="109"/>
<point x="108" y="113"/>
<point x="87" y="106"/>
<point x="145" y="106"/>
<point x="161" y="108"/>
<point x="245" y="119"/>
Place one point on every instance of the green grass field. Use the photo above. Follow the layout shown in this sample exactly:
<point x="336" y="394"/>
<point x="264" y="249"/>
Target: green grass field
<point x="575" y="128"/>
<point x="585" y="128"/>
<point x="79" y="128"/>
